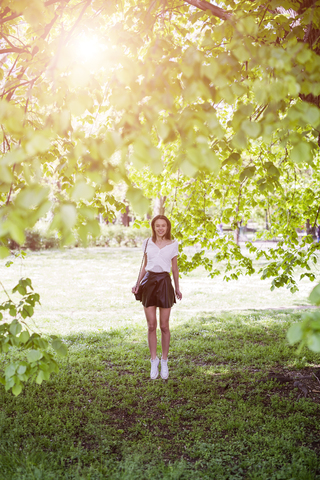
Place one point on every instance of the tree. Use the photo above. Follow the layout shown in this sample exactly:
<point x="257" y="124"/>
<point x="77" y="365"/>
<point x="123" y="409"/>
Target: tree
<point x="217" y="106"/>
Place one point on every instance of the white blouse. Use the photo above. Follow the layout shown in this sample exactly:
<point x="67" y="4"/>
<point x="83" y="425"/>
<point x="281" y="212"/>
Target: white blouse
<point x="159" y="259"/>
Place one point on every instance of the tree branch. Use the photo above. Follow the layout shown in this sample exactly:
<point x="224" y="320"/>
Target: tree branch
<point x="16" y="15"/>
<point x="216" y="11"/>
<point x="78" y="20"/>
<point x="5" y="291"/>
<point x="11" y="186"/>
<point x="5" y="140"/>
<point x="8" y="41"/>
<point x="315" y="221"/>
<point x="5" y="11"/>
<point x="18" y="39"/>
<point x="13" y="49"/>
<point x="21" y="85"/>
<point x="48" y="27"/>
<point x="264" y="13"/>
<point x="309" y="27"/>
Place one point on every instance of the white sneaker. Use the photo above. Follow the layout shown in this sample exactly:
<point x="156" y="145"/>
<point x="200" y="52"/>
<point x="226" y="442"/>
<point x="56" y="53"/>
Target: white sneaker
<point x="164" y="369"/>
<point x="154" y="368"/>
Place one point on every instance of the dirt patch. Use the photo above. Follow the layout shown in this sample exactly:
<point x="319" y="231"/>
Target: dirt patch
<point x="304" y="383"/>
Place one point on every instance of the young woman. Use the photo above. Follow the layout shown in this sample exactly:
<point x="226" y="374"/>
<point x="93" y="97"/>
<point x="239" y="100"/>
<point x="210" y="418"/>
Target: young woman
<point x="157" y="290"/>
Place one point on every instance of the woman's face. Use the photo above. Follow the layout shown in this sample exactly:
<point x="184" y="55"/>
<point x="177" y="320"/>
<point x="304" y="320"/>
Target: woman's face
<point x="160" y="227"/>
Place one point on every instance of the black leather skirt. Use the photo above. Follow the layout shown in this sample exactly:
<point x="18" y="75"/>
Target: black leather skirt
<point x="156" y="290"/>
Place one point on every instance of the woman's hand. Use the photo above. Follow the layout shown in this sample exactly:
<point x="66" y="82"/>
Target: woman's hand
<point x="178" y="294"/>
<point x="135" y="289"/>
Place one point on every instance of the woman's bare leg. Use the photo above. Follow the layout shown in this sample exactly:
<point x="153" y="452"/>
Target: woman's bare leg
<point x="151" y="316"/>
<point x="165" y="331"/>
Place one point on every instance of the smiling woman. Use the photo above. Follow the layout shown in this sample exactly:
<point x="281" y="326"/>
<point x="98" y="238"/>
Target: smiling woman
<point x="155" y="289"/>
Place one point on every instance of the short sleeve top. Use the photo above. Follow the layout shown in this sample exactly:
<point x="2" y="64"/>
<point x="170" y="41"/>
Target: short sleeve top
<point x="159" y="259"/>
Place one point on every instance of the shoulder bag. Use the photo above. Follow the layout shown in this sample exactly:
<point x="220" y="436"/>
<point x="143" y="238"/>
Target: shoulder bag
<point x="138" y="295"/>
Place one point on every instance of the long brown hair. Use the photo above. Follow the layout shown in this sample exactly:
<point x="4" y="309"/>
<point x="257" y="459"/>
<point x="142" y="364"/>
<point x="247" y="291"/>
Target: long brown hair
<point x="168" y="232"/>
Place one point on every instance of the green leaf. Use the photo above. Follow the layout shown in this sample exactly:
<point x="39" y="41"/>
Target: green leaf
<point x="164" y="130"/>
<point x="82" y="191"/>
<point x="212" y="70"/>
<point x="140" y="155"/>
<point x="41" y="343"/>
<point x="31" y="197"/>
<point x="252" y="129"/>
<point x="155" y="163"/>
<point x="272" y="170"/>
<point x="239" y="140"/>
<point x="27" y="311"/>
<point x="314" y="296"/>
<point x="21" y="369"/>
<point x="312" y="116"/>
<point x="304" y="55"/>
<point x="4" y="252"/>
<point x="314" y="342"/>
<point x="42" y="375"/>
<point x="93" y="228"/>
<point x="302" y="152"/>
<point x="187" y="167"/>
<point x="247" y="25"/>
<point x="69" y="214"/>
<point x="59" y="347"/>
<point x="16" y="232"/>
<point x="17" y="389"/>
<point x="233" y="159"/>
<point x="241" y="53"/>
<point x="34" y="356"/>
<point x="77" y="107"/>
<point x="5" y="174"/>
<point x="139" y="203"/>
<point x="294" y="333"/>
<point x="247" y="173"/>
<point x="10" y="370"/>
<point x="15" y="328"/>
<point x="211" y="162"/>
<point x="38" y="143"/>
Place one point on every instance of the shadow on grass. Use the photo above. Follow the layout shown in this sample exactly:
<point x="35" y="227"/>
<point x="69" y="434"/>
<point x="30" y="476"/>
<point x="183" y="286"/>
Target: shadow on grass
<point x="219" y="415"/>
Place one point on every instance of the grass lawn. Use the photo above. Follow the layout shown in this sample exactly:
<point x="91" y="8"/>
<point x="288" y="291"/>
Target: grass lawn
<point x="238" y="404"/>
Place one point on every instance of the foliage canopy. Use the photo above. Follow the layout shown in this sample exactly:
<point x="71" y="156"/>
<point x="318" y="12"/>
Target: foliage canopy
<point x="209" y="106"/>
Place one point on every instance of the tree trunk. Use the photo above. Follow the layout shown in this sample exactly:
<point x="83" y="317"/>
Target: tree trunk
<point x="159" y="207"/>
<point x="236" y="235"/>
<point x="308" y="227"/>
<point x="125" y="217"/>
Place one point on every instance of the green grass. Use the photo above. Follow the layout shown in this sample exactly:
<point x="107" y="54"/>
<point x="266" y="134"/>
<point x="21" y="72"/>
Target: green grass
<point x="102" y="417"/>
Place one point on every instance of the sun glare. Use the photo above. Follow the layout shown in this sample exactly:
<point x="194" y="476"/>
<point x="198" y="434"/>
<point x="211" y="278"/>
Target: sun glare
<point x="88" y="50"/>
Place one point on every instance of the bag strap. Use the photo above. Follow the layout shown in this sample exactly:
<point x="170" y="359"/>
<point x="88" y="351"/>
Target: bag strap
<point x="145" y="249"/>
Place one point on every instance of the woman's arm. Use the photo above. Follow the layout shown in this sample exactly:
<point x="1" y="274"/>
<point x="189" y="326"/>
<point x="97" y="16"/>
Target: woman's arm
<point x="142" y="274"/>
<point x="175" y="273"/>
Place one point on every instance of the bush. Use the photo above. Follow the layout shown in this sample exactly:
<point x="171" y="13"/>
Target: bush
<point x="131" y="238"/>
<point x="106" y="236"/>
<point x="33" y="240"/>
<point x="50" y="241"/>
<point x="39" y="237"/>
<point x="13" y="245"/>
<point x="120" y="235"/>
